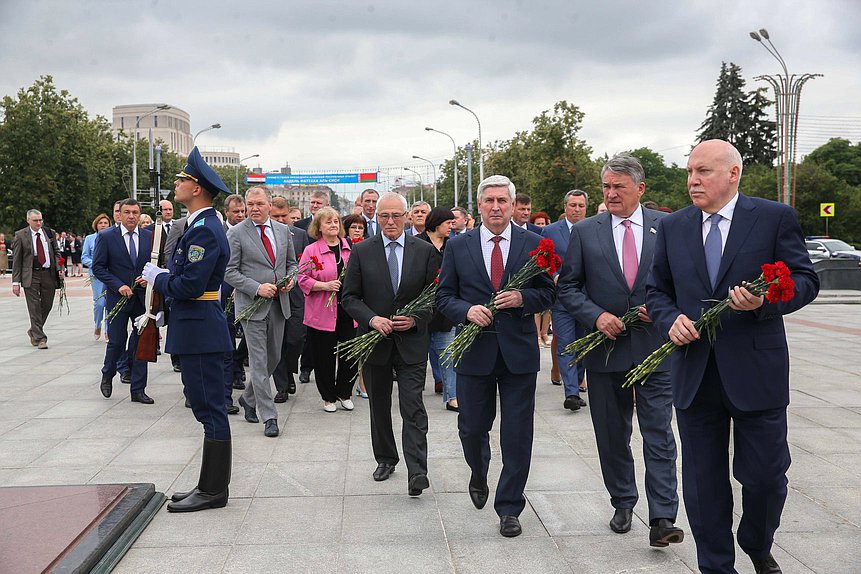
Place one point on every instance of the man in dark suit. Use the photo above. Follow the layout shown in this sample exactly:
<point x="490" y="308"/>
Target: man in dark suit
<point x="739" y="381"/>
<point x="198" y="328"/>
<point x="522" y="213"/>
<point x="566" y="329"/>
<point x="120" y="255"/>
<point x="35" y="267"/>
<point x="368" y="199"/>
<point x="385" y="273"/>
<point x="603" y="276"/>
<point x="475" y="269"/>
<point x="294" y="329"/>
<point x="458" y="225"/>
<point x="319" y="199"/>
<point x="234" y="214"/>
<point x="418" y="215"/>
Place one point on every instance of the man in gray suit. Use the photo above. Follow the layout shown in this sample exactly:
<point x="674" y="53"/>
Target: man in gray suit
<point x="35" y="268"/>
<point x="603" y="276"/>
<point x="294" y="330"/>
<point x="261" y="253"/>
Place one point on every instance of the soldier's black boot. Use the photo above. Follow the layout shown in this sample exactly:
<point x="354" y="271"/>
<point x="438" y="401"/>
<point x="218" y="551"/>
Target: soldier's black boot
<point x="212" y="486"/>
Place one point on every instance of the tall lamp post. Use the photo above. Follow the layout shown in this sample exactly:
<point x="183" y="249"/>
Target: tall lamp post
<point x="787" y="97"/>
<point x="236" y="171"/>
<point x="453" y="161"/>
<point x="212" y="127"/>
<point x="433" y="167"/>
<point x="135" y="147"/>
<point x="480" y="149"/>
<point x="421" y="187"/>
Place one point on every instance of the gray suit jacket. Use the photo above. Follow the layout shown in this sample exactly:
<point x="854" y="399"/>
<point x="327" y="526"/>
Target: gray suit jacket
<point x="592" y="282"/>
<point x="177" y="228"/>
<point x="249" y="265"/>
<point x="23" y="254"/>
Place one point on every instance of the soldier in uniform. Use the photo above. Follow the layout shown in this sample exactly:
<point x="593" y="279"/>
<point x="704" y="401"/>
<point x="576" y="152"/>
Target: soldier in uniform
<point x="197" y="329"/>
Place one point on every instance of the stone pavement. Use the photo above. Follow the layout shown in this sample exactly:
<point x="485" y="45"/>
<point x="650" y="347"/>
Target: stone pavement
<point x="305" y="502"/>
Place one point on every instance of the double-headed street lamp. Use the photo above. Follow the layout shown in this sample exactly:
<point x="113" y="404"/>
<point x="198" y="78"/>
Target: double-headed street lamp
<point x="480" y="149"/>
<point x="433" y="167"/>
<point x="236" y="171"/>
<point x="212" y="127"/>
<point x="453" y="161"/>
<point x="787" y="97"/>
<point x="421" y="187"/>
<point x="135" y="147"/>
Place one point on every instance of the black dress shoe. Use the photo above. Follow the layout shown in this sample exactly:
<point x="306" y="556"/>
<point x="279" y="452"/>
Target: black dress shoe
<point x="450" y="407"/>
<point x="126" y="378"/>
<point x="142" y="398"/>
<point x="417" y="483"/>
<point x="581" y="401"/>
<point x="238" y="384"/>
<point x="271" y="429"/>
<point x="232" y="409"/>
<point x="305" y="377"/>
<point x="663" y="533"/>
<point x="572" y="403"/>
<point x="106" y="386"/>
<point x="281" y="397"/>
<point x="384" y="471"/>
<point x="177" y="368"/>
<point x="765" y="565"/>
<point x="478" y="492"/>
<point x="437" y="387"/>
<point x="250" y="413"/>
<point x="212" y="487"/>
<point x="291" y="385"/>
<point x="187" y="404"/>
<point x="509" y="526"/>
<point x="621" y="521"/>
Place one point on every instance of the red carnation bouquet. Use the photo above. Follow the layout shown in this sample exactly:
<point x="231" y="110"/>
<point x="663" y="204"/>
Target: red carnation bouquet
<point x="543" y="259"/>
<point x="775" y="283"/>
<point x="312" y="263"/>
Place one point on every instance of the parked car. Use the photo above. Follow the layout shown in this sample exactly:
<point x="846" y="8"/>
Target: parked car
<point x="829" y="248"/>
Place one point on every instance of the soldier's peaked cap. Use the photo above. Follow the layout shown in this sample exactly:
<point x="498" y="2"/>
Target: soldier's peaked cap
<point x="197" y="170"/>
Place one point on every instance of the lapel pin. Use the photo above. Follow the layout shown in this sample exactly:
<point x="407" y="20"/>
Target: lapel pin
<point x="653" y="230"/>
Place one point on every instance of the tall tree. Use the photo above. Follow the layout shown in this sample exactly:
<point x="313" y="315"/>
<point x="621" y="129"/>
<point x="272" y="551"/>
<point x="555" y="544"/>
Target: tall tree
<point x="54" y="158"/>
<point x="740" y="118"/>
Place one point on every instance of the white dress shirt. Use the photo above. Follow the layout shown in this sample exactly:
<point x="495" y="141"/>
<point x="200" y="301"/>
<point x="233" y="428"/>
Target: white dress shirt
<point x="267" y="229"/>
<point x="487" y="245"/>
<point x="636" y="220"/>
<point x="131" y="236"/>
<point x="376" y="227"/>
<point x="726" y="212"/>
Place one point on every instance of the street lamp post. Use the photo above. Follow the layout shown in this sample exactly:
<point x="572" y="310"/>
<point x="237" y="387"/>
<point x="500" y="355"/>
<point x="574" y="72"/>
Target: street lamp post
<point x="236" y="171"/>
<point x="787" y="98"/>
<point x="421" y="187"/>
<point x="480" y="149"/>
<point x="212" y="127"/>
<point x="135" y="148"/>
<point x="469" y="177"/>
<point x="433" y="167"/>
<point x="453" y="160"/>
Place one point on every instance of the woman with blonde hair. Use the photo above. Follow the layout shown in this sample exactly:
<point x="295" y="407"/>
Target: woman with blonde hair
<point x="328" y="325"/>
<point x="102" y="221"/>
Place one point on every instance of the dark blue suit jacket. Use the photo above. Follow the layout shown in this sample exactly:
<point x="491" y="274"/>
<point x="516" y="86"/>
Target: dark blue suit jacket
<point x="198" y="265"/>
<point x="464" y="282"/>
<point x="113" y="266"/>
<point x="751" y="352"/>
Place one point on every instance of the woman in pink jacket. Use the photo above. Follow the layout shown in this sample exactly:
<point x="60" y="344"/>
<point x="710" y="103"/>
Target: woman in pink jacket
<point x="328" y="325"/>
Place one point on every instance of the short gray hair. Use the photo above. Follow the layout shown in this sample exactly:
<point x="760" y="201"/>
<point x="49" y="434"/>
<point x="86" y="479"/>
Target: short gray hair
<point x="259" y="189"/>
<point x="390" y="195"/>
<point x="31" y="212"/>
<point x="233" y="198"/>
<point x="497" y="181"/>
<point x="321" y="193"/>
<point x="626" y="164"/>
<point x="574" y="193"/>
<point x="417" y="203"/>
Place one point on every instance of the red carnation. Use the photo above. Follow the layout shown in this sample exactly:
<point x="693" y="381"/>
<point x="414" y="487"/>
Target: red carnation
<point x="357" y="239"/>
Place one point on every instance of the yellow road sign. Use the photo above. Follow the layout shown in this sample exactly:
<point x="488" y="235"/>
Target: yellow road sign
<point x="826" y="210"/>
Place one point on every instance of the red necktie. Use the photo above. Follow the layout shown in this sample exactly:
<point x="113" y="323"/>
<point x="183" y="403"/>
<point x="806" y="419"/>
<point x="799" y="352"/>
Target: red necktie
<point x="630" y="264"/>
<point x="40" y="250"/>
<point x="267" y="244"/>
<point x="496" y="266"/>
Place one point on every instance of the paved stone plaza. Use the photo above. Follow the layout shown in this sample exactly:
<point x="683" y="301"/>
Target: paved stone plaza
<point x="305" y="502"/>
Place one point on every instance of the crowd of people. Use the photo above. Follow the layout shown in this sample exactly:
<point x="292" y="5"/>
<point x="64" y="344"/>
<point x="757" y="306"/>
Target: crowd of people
<point x="300" y="286"/>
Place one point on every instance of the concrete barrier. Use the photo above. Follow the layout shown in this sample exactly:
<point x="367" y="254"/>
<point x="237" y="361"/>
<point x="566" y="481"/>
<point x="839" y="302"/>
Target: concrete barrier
<point x="838" y="274"/>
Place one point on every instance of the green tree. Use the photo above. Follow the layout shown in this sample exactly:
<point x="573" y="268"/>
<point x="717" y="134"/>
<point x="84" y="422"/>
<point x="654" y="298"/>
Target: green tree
<point x="840" y="158"/>
<point x="665" y="185"/>
<point x="54" y="158"/>
<point x="739" y="117"/>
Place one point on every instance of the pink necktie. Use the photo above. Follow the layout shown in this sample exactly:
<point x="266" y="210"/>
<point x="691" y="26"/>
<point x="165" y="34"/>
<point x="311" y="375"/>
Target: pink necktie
<point x="630" y="264"/>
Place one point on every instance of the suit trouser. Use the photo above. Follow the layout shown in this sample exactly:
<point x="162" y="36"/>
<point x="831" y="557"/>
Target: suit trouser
<point x="477" y="402"/>
<point x="760" y="461"/>
<point x="330" y="385"/>
<point x="40" y="300"/>
<point x="291" y="348"/>
<point x="612" y="409"/>
<point x="566" y="330"/>
<point x="203" y="387"/>
<point x="264" y="351"/>
<point x="411" y="383"/>
<point x="122" y="347"/>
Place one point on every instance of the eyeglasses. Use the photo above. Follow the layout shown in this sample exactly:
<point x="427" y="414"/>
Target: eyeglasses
<point x="393" y="216"/>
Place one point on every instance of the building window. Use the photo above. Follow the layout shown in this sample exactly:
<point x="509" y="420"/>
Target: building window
<point x="122" y="123"/>
<point x="155" y="121"/>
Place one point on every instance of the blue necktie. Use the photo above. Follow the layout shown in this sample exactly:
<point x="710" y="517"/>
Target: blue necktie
<point x="713" y="249"/>
<point x="393" y="265"/>
<point x="133" y="252"/>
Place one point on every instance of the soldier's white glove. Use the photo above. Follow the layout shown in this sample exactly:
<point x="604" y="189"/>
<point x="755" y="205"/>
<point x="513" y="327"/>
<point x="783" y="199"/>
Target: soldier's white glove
<point x="159" y="320"/>
<point x="150" y="272"/>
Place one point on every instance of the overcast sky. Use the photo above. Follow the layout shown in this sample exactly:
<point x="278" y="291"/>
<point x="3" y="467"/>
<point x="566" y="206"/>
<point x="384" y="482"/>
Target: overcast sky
<point x="344" y="85"/>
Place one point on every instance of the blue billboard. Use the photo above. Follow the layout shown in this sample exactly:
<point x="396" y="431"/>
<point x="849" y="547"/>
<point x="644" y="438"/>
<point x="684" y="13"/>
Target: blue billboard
<point x="311" y="178"/>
